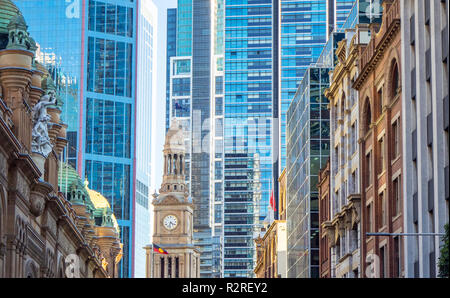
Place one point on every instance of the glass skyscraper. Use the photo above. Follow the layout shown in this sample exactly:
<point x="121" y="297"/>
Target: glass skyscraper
<point x="196" y="100"/>
<point x="268" y="47"/>
<point x="247" y="129"/>
<point x="308" y="142"/>
<point x="94" y="44"/>
<point x="145" y="98"/>
<point x="308" y="150"/>
<point x="305" y="27"/>
<point x="53" y="24"/>
<point x="171" y="39"/>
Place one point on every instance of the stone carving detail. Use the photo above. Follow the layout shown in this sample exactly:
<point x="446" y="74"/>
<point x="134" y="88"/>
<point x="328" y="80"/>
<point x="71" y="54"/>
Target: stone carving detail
<point x="40" y="140"/>
<point x="37" y="204"/>
<point x="48" y="268"/>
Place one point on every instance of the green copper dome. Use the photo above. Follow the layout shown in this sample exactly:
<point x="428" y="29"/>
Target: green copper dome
<point x="8" y="10"/>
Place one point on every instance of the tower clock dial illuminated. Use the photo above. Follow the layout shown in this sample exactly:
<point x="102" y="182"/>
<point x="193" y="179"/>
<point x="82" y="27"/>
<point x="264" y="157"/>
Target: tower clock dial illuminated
<point x="170" y="222"/>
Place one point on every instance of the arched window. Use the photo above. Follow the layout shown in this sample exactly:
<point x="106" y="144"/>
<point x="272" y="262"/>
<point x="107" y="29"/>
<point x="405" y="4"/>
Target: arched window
<point x="395" y="77"/>
<point x="175" y="165"/>
<point x="342" y="107"/>
<point x="169" y="165"/>
<point x="30" y="270"/>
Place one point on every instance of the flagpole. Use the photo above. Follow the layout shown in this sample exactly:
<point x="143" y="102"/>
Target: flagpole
<point x="153" y="263"/>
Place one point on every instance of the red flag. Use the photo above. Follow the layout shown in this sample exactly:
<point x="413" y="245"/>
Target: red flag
<point x="272" y="202"/>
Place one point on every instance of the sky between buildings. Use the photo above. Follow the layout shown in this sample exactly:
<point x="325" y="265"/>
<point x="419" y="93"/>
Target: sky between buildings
<point x="160" y="100"/>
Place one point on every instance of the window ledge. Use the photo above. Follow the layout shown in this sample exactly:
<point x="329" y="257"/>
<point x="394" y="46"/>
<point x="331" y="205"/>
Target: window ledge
<point x="396" y="159"/>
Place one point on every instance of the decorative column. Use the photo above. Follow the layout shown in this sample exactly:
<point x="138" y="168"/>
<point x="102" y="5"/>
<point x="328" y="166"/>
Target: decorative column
<point x="35" y="89"/>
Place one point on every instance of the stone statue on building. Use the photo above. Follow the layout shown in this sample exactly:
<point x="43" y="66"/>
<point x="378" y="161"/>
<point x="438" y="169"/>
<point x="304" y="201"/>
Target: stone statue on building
<point x="40" y="140"/>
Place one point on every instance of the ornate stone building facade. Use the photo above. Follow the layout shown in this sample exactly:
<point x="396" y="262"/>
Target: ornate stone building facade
<point x="271" y="247"/>
<point x="341" y="221"/>
<point x="173" y="217"/>
<point x="380" y="137"/>
<point x="42" y="233"/>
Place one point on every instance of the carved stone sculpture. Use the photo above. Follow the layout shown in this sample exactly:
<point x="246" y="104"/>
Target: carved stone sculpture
<point x="40" y="140"/>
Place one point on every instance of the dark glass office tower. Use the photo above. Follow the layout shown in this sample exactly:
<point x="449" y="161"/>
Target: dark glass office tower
<point x="268" y="47"/>
<point x="302" y="31"/>
<point x="196" y="101"/>
<point x="308" y="137"/>
<point x="171" y="51"/>
<point x="247" y="129"/>
<point x="308" y="149"/>
<point x="94" y="43"/>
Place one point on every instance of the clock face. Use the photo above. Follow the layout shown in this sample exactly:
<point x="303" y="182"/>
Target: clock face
<point x="170" y="222"/>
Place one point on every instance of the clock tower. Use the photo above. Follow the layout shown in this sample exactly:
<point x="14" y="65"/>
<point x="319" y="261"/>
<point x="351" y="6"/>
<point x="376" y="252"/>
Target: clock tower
<point x="172" y="217"/>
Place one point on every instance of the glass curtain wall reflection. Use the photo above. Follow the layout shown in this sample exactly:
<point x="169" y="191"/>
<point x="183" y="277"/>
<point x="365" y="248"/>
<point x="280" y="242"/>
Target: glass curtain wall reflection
<point x="196" y="101"/>
<point x="308" y="140"/>
<point x="110" y="110"/>
<point x="247" y="129"/>
<point x="93" y="43"/>
<point x="59" y="41"/>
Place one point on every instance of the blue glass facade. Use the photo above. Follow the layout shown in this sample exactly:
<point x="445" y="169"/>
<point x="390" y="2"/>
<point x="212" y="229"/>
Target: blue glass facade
<point x="308" y="135"/>
<point x="171" y="50"/>
<point x="308" y="150"/>
<point x="60" y="52"/>
<point x="101" y="139"/>
<point x="304" y="32"/>
<point x="247" y="129"/>
<point x="195" y="82"/>
<point x="303" y="35"/>
<point x="363" y="12"/>
<point x="342" y="10"/>
<point x="304" y="29"/>
<point x="110" y="110"/>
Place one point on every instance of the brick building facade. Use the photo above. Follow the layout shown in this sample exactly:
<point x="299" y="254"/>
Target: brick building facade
<point x="380" y="110"/>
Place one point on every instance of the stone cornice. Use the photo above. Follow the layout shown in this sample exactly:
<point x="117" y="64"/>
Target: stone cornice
<point x="349" y="215"/>
<point x="373" y="53"/>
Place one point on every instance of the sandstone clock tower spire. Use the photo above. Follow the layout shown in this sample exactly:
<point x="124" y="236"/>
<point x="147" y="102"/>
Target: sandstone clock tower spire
<point x="172" y="216"/>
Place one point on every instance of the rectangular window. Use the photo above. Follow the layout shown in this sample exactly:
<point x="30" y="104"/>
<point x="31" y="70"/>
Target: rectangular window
<point x="162" y="267"/>
<point x="380" y="100"/>
<point x="382" y="208"/>
<point x="396" y="189"/>
<point x="369" y="218"/>
<point x="395" y="139"/>
<point x="382" y="155"/>
<point x="397" y="255"/>
<point x="177" y="267"/>
<point x="382" y="262"/>
<point x="368" y="169"/>
<point x="169" y="267"/>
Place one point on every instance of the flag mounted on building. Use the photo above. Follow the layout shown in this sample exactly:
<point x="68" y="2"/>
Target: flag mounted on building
<point x="160" y="250"/>
<point x="272" y="202"/>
